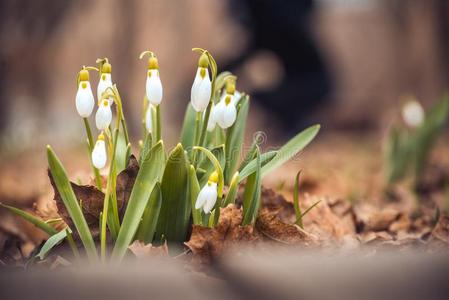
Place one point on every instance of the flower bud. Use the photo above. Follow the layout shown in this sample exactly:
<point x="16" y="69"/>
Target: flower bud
<point x="413" y="114"/>
<point x="105" y="81"/>
<point x="201" y="90"/>
<point x="99" y="155"/>
<point x="153" y="85"/>
<point x="212" y="122"/>
<point x="103" y="117"/>
<point x="226" y="112"/>
<point x="84" y="97"/>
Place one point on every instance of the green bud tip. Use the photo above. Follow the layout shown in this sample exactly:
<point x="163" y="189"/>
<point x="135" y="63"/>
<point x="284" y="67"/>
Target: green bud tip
<point x="203" y="62"/>
<point x="84" y="75"/>
<point x="153" y="63"/>
<point x="230" y="87"/>
<point x="106" y="68"/>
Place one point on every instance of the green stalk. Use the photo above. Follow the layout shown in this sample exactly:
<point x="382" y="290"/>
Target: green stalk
<point x="72" y="244"/>
<point x="158" y="123"/>
<point x="296" y="202"/>
<point x="196" y="136"/>
<point x="107" y="196"/>
<point x="91" y="147"/>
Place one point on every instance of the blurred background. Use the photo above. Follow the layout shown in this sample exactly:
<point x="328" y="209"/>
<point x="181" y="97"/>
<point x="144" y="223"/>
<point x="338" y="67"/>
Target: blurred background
<point x="344" y="63"/>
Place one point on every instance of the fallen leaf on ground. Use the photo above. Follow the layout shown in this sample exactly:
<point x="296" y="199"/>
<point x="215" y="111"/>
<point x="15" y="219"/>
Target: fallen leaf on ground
<point x="140" y="250"/>
<point x="207" y="244"/>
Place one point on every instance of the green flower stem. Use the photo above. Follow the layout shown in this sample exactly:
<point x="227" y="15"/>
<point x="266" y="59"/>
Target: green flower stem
<point x="144" y="112"/>
<point x="72" y="244"/>
<point x="158" y="123"/>
<point x="196" y="136"/>
<point x="107" y="196"/>
<point x="91" y="147"/>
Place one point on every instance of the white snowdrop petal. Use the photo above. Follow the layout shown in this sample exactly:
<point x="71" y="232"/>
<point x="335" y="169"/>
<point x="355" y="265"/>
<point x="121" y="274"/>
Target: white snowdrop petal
<point x="202" y="198"/>
<point x="148" y="120"/>
<point x="218" y="113"/>
<point x="99" y="156"/>
<point x="103" y="117"/>
<point x="84" y="99"/>
<point x="201" y="89"/>
<point x="413" y="114"/>
<point x="104" y="83"/>
<point x="211" y="199"/>
<point x="154" y="87"/>
<point x="229" y="116"/>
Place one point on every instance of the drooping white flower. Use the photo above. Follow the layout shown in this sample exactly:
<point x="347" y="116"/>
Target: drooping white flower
<point x="236" y="97"/>
<point x="413" y="113"/>
<point x="149" y="119"/>
<point x="104" y="83"/>
<point x="99" y="156"/>
<point x="103" y="117"/>
<point x="201" y="90"/>
<point x="208" y="195"/>
<point x="154" y="90"/>
<point x="84" y="97"/>
<point x="226" y="112"/>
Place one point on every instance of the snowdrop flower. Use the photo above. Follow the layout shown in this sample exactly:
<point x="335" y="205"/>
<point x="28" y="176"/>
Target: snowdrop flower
<point x="84" y="97"/>
<point x="153" y="85"/>
<point x="105" y="79"/>
<point x="225" y="111"/>
<point x="208" y="195"/>
<point x="149" y="119"/>
<point x="413" y="114"/>
<point x="202" y="86"/>
<point x="212" y="122"/>
<point x="103" y="117"/>
<point x="99" y="155"/>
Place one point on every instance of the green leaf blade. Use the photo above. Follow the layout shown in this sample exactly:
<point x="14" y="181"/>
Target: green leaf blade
<point x="64" y="187"/>
<point x="150" y="172"/>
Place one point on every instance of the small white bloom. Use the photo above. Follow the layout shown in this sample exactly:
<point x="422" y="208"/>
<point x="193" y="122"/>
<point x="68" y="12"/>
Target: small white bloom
<point x="226" y="112"/>
<point x="84" y="99"/>
<point x="154" y="87"/>
<point x="201" y="90"/>
<point x="99" y="155"/>
<point x="413" y="113"/>
<point x="207" y="197"/>
<point x="104" y="83"/>
<point x="148" y="119"/>
<point x="103" y="117"/>
<point x="236" y="97"/>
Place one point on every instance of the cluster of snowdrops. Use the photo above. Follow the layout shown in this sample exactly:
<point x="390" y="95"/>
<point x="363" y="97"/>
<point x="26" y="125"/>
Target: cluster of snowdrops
<point x="172" y="190"/>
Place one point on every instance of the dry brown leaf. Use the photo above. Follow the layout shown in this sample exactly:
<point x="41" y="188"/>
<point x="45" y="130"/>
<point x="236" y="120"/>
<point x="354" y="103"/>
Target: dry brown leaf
<point x="91" y="199"/>
<point x="142" y="251"/>
<point x="371" y="218"/>
<point x="269" y="224"/>
<point x="209" y="243"/>
<point x="441" y="230"/>
<point x="323" y="222"/>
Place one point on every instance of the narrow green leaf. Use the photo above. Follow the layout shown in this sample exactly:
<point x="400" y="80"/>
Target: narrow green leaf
<point x="68" y="197"/>
<point x="296" y="144"/>
<point x="233" y="189"/>
<point x="194" y="189"/>
<point x="149" y="173"/>
<point x="251" y="196"/>
<point x="252" y="165"/>
<point x="146" y="147"/>
<point x="310" y="208"/>
<point x="147" y="227"/>
<point x="296" y="205"/>
<point x="174" y="217"/>
<point x="32" y="219"/>
<point x="52" y="242"/>
<point x="258" y="138"/>
<point x="234" y="139"/>
<point x="188" y="128"/>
